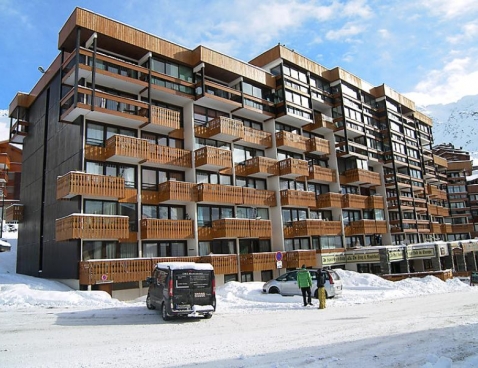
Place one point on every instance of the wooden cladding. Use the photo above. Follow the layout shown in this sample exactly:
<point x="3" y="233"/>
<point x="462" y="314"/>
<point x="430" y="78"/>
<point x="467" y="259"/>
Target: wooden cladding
<point x="14" y="213"/>
<point x="222" y="128"/>
<point x="256" y="137"/>
<point x="315" y="227"/>
<point x="91" y="185"/>
<point x="293" y="167"/>
<point x="166" y="229"/>
<point x="129" y="147"/>
<point x="92" y="227"/>
<point x="166" y="118"/>
<point x="329" y="200"/>
<point x="318" y="145"/>
<point x="322" y="174"/>
<point x="219" y="193"/>
<point x="212" y="157"/>
<point x="4" y="161"/>
<point x="291" y="141"/>
<point x="366" y="227"/>
<point x="241" y="228"/>
<point x="258" y="166"/>
<point x="354" y="201"/>
<point x="259" y="197"/>
<point x="290" y="197"/>
<point x="297" y="258"/>
<point x="360" y="176"/>
<point x="169" y="156"/>
<point x="258" y="261"/>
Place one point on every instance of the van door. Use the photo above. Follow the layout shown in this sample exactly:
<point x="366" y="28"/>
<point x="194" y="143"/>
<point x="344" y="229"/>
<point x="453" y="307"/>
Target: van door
<point x="158" y="285"/>
<point x="192" y="287"/>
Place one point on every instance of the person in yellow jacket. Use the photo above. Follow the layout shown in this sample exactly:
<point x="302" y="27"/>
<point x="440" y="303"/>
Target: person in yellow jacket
<point x="321" y="280"/>
<point x="304" y="281"/>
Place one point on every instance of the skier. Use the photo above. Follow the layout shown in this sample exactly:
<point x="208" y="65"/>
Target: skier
<point x="304" y="281"/>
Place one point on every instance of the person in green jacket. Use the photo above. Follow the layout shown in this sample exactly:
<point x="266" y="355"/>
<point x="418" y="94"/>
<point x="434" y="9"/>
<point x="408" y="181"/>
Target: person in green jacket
<point x="304" y="281"/>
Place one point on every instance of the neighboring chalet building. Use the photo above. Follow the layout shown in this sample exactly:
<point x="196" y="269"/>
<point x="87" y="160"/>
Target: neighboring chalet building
<point x="136" y="150"/>
<point x="10" y="178"/>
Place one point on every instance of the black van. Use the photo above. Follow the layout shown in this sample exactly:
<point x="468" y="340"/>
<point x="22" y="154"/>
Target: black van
<point x="182" y="289"/>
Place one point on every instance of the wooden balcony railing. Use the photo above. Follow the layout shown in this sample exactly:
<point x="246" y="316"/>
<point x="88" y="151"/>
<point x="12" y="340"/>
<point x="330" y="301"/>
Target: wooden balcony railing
<point x="127" y="148"/>
<point x="321" y="123"/>
<point x="256" y="137"/>
<point x="292" y="167"/>
<point x="169" y="156"/>
<point x="222" y="128"/>
<point x="436" y="228"/>
<point x="297" y="258"/>
<point x="241" y="228"/>
<point x="77" y="183"/>
<point x="366" y="227"/>
<point x="14" y="213"/>
<point x="472" y="189"/>
<point x="462" y="228"/>
<point x="354" y="201"/>
<point x="290" y="197"/>
<point x="291" y="141"/>
<point x="318" y="145"/>
<point x="435" y="192"/>
<point x="442" y="211"/>
<point x="259" y="197"/>
<point x="375" y="202"/>
<point x="315" y="227"/>
<point x="258" y="166"/>
<point x="224" y="264"/>
<point x="177" y="191"/>
<point x="440" y="161"/>
<point x="360" y="176"/>
<point x="219" y="193"/>
<point x="92" y="227"/>
<point x="213" y="158"/>
<point x="446" y="228"/>
<point x="99" y="271"/>
<point x="166" y="119"/>
<point x="4" y="161"/>
<point x="329" y="200"/>
<point x="322" y="174"/>
<point x="166" y="229"/>
<point x="259" y="262"/>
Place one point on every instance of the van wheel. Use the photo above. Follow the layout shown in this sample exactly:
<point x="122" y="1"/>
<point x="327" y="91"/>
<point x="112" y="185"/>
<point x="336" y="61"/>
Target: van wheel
<point x="273" y="290"/>
<point x="148" y="303"/>
<point x="164" y="313"/>
<point x="207" y="315"/>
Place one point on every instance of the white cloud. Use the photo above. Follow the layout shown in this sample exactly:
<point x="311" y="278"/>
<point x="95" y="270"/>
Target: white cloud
<point x="4" y="125"/>
<point x="469" y="31"/>
<point x="451" y="9"/>
<point x="457" y="78"/>
<point x="348" y="30"/>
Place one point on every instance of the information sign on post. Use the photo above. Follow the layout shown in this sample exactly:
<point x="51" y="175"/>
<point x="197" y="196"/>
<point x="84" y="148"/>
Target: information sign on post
<point x="279" y="259"/>
<point x="474" y="278"/>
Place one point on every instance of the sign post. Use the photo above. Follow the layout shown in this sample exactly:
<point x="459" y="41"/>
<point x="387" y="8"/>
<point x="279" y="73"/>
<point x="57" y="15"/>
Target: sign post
<point x="279" y="259"/>
<point x="473" y="278"/>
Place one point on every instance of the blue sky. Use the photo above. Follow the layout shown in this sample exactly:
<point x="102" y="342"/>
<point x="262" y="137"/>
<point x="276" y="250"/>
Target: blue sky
<point x="427" y="50"/>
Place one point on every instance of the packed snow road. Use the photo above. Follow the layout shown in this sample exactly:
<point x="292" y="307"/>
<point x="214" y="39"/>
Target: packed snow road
<point x="390" y="333"/>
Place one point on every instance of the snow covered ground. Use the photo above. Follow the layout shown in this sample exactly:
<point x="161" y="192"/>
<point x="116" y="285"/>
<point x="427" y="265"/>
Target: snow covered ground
<point x="375" y="323"/>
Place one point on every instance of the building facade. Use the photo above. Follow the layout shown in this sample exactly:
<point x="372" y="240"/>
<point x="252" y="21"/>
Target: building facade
<point x="10" y="179"/>
<point x="136" y="149"/>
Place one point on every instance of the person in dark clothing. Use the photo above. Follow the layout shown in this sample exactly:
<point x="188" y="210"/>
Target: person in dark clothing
<point x="321" y="280"/>
<point x="304" y="281"/>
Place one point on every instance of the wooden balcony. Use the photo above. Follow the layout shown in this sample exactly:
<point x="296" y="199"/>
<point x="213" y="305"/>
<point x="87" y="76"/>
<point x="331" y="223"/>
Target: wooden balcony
<point x="318" y="146"/>
<point x="212" y="158"/>
<point x="258" y="166"/>
<point x="360" y="176"/>
<point x="300" y="198"/>
<point x="77" y="183"/>
<point x="440" y="161"/>
<point x="321" y="174"/>
<point x="293" y="168"/>
<point x="176" y="192"/>
<point x="92" y="227"/>
<point x="166" y="229"/>
<point x="126" y="149"/>
<point x="442" y="211"/>
<point x="259" y="197"/>
<point x="354" y="201"/>
<point x="259" y="262"/>
<point x="375" y="202"/>
<point x="297" y="258"/>
<point x="219" y="193"/>
<point x="99" y="271"/>
<point x="447" y="228"/>
<point x="221" y="128"/>
<point x="168" y="157"/>
<point x="19" y="131"/>
<point x="315" y="227"/>
<point x="224" y="264"/>
<point x="329" y="200"/>
<point x="462" y="228"/>
<point x="435" y="192"/>
<point x="163" y="120"/>
<point x="366" y="227"/>
<point x="321" y="124"/>
<point x="436" y="228"/>
<point x="4" y="161"/>
<point x="291" y="141"/>
<point x="256" y="138"/>
<point x="472" y="188"/>
<point x="14" y="213"/>
<point x="241" y="228"/>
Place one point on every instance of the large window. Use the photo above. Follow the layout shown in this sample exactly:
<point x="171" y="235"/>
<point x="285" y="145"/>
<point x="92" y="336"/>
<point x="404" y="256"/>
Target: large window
<point x="108" y="250"/>
<point x="293" y="214"/>
<point x="165" y="249"/>
<point x="242" y="153"/>
<point x="213" y="178"/>
<point x="164" y="212"/>
<point x="97" y="134"/>
<point x="150" y="178"/>
<point x="128" y="173"/>
<point x="207" y="214"/>
<point x="247" y="246"/>
<point x="97" y="207"/>
<point x="172" y="69"/>
<point x="252" y="213"/>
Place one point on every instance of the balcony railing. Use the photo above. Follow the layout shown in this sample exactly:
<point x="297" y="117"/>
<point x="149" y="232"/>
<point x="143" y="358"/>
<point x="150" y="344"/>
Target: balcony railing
<point x="166" y="229"/>
<point x="163" y="120"/>
<point x="224" y="264"/>
<point x="259" y="197"/>
<point x="258" y="167"/>
<point x="241" y="228"/>
<point x="462" y="228"/>
<point x="14" y="213"/>
<point x="177" y="191"/>
<point x="354" y="201"/>
<point x="329" y="200"/>
<point x="213" y="158"/>
<point x="321" y="123"/>
<point x="219" y="193"/>
<point x="318" y="145"/>
<point x="315" y="227"/>
<point x="293" y="168"/>
<point x="221" y="128"/>
<point x="360" y="176"/>
<point x="366" y="227"/>
<point x="127" y="149"/>
<point x="322" y="174"/>
<point x="99" y="271"/>
<point x="290" y="197"/>
<point x="168" y="156"/>
<point x="292" y="141"/>
<point x="257" y="138"/>
<point x="259" y="262"/>
<point x="91" y="185"/>
<point x="4" y="161"/>
<point x="92" y="227"/>
<point x="297" y="258"/>
<point x="375" y="202"/>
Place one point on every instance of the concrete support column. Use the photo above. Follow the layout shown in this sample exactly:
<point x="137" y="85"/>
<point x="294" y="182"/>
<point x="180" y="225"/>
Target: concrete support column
<point x="460" y="262"/>
<point x="385" y="266"/>
<point x="436" y="264"/>
<point x="470" y="261"/>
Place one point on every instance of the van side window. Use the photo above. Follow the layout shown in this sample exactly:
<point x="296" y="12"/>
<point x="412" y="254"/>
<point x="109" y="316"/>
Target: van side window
<point x="161" y="277"/>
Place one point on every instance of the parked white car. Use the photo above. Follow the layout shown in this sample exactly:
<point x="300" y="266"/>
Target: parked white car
<point x="286" y="284"/>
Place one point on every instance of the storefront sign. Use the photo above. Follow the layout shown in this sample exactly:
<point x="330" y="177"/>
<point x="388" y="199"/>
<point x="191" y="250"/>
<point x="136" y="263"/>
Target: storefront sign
<point x="470" y="247"/>
<point x="395" y="255"/>
<point x="421" y="253"/>
<point x="363" y="257"/>
<point x="333" y="258"/>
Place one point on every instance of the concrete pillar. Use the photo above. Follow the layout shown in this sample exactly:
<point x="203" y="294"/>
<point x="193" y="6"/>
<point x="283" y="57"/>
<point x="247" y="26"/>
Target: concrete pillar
<point x="448" y="259"/>
<point x="436" y="264"/>
<point x="470" y="261"/>
<point x="460" y="262"/>
<point x="385" y="267"/>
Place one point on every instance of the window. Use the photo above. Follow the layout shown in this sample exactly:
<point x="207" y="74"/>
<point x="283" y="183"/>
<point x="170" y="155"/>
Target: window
<point x="165" y="249"/>
<point x="241" y="153"/>
<point x="207" y="214"/>
<point x="213" y="178"/>
<point x="252" y="213"/>
<point x="251" y="182"/>
<point x="97" y="207"/>
<point x="151" y="178"/>
<point x="97" y="134"/>
<point x="108" y="250"/>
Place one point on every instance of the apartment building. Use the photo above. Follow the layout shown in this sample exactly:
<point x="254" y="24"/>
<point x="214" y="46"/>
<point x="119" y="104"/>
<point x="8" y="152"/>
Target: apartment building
<point x="136" y="149"/>
<point x="10" y="178"/>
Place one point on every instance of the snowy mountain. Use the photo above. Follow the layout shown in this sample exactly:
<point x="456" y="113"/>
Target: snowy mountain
<point x="456" y="123"/>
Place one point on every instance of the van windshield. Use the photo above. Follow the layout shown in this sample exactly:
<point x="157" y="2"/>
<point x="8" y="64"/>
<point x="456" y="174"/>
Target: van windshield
<point x="193" y="279"/>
